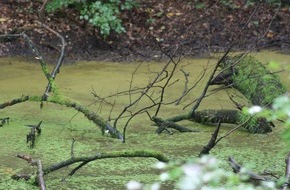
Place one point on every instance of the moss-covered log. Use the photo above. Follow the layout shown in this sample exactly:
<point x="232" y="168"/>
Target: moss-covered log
<point x="252" y="123"/>
<point x="251" y="78"/>
<point x="120" y="154"/>
<point x="91" y="115"/>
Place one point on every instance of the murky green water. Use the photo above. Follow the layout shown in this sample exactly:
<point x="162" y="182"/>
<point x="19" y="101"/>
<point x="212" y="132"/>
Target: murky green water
<point x="61" y="124"/>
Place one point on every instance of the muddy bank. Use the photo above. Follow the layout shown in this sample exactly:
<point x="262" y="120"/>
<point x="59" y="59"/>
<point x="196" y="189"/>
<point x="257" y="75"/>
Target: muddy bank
<point x="196" y="31"/>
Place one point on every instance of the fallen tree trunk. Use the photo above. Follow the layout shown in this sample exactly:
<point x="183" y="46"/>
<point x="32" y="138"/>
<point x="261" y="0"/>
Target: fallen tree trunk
<point x="253" y="124"/>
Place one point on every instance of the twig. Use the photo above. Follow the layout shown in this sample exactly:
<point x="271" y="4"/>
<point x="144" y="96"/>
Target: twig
<point x="185" y="87"/>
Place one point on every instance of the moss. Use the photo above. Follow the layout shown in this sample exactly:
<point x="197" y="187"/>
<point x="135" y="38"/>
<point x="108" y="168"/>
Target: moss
<point x="35" y="98"/>
<point x="254" y="80"/>
<point x="250" y="122"/>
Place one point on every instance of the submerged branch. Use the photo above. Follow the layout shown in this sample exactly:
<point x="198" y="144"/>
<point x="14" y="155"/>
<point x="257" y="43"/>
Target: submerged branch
<point x="86" y="159"/>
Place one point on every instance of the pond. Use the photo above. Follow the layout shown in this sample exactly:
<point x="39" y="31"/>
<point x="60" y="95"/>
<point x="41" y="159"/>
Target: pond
<point x="19" y="76"/>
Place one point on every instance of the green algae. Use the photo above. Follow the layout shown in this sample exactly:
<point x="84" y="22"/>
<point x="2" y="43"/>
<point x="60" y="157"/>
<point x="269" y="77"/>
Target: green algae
<point x="62" y="124"/>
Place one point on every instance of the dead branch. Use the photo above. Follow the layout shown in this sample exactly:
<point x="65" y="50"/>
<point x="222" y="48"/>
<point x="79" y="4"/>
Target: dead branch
<point x="14" y="101"/>
<point x="40" y="174"/>
<point x="287" y="173"/>
<point x="56" y="69"/>
<point x="102" y="156"/>
<point x="163" y="125"/>
<point x="212" y="142"/>
<point x="237" y="168"/>
<point x="91" y="115"/>
<point x="86" y="159"/>
<point x="83" y="161"/>
<point x="165" y="76"/>
<point x="143" y="93"/>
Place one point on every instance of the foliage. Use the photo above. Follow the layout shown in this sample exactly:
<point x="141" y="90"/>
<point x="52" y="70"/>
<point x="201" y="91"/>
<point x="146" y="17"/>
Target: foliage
<point x="203" y="173"/>
<point x="101" y="14"/>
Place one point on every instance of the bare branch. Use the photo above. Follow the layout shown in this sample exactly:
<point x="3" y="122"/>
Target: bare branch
<point x="237" y="168"/>
<point x="86" y="159"/>
<point x="212" y="142"/>
<point x="40" y="173"/>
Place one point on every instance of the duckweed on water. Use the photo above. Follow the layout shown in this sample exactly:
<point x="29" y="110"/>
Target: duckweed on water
<point x="61" y="125"/>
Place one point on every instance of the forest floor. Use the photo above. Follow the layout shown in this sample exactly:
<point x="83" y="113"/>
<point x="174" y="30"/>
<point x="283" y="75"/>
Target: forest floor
<point x="191" y="28"/>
